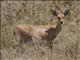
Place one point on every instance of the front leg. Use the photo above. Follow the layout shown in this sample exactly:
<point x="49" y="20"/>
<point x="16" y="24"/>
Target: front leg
<point x="50" y="45"/>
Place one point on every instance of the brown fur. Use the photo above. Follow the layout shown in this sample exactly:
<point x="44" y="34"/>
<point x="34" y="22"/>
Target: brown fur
<point x="41" y="32"/>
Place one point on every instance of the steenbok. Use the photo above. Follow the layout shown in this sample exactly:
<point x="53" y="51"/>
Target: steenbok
<point x="28" y="32"/>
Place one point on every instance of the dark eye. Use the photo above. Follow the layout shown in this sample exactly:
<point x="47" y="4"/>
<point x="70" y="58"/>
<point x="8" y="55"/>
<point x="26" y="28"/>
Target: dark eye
<point x="59" y="18"/>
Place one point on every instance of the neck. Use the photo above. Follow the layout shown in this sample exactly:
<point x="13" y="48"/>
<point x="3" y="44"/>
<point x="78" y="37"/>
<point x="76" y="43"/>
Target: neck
<point x="58" y="27"/>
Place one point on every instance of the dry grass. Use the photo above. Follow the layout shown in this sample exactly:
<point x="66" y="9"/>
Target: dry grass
<point x="65" y="47"/>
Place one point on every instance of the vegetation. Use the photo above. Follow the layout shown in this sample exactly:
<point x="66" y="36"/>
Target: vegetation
<point x="65" y="47"/>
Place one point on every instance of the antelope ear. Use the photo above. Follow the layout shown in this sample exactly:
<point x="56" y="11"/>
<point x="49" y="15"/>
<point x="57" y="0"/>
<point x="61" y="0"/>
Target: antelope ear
<point x="66" y="12"/>
<point x="54" y="12"/>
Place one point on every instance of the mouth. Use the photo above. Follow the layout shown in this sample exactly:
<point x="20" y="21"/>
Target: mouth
<point x="61" y="22"/>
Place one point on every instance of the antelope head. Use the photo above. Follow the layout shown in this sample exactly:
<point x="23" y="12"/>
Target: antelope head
<point x="60" y="16"/>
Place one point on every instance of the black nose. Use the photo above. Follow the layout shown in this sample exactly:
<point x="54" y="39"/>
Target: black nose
<point x="61" y="22"/>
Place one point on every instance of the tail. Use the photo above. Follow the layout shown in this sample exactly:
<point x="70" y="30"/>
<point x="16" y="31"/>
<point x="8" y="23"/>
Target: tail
<point x="22" y="34"/>
<point x="14" y="32"/>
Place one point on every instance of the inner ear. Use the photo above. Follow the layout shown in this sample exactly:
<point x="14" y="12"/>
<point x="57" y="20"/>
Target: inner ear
<point x="66" y="12"/>
<point x="54" y="12"/>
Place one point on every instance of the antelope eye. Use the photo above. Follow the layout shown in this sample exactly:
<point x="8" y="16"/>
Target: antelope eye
<point x="59" y="18"/>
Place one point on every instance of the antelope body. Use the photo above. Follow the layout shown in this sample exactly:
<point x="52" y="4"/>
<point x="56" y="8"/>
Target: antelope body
<point x="41" y="32"/>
